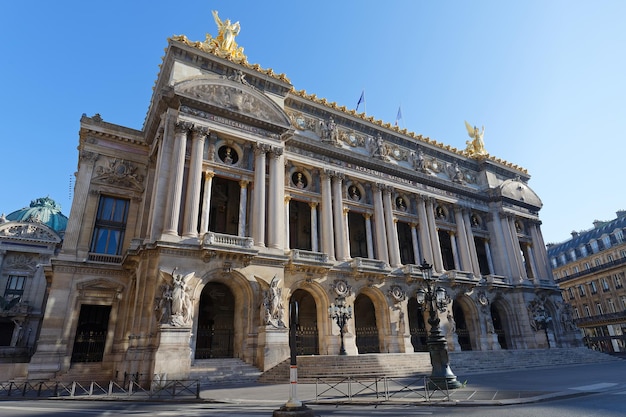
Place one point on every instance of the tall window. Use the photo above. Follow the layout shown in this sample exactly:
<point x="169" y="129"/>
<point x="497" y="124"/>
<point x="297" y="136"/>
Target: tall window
<point x="594" y="288"/>
<point x="15" y="287"/>
<point x="108" y="233"/>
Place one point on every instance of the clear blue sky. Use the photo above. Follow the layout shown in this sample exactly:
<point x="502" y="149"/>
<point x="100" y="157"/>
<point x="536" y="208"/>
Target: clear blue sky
<point x="547" y="79"/>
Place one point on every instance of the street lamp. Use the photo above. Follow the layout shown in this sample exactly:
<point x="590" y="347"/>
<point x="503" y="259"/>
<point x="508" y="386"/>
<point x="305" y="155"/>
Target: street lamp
<point x="436" y="299"/>
<point x="341" y="314"/>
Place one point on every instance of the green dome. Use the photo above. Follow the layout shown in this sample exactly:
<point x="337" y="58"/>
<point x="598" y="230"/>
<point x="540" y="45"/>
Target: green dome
<point x="43" y="210"/>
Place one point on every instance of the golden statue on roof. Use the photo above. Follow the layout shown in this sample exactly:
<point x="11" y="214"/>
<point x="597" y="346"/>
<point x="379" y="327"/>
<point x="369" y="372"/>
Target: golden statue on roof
<point x="223" y="45"/>
<point x="476" y="146"/>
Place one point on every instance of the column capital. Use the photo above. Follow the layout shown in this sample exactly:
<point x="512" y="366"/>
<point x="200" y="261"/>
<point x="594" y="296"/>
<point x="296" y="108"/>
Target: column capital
<point x="89" y="156"/>
<point x="313" y="204"/>
<point x="244" y="183"/>
<point x="182" y="127"/>
<point x="209" y="174"/>
<point x="287" y="199"/>
<point x="346" y="210"/>
<point x="199" y="132"/>
<point x="261" y="148"/>
<point x="276" y="151"/>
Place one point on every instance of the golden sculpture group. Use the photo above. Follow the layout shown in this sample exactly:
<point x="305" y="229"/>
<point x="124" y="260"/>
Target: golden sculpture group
<point x="223" y="45"/>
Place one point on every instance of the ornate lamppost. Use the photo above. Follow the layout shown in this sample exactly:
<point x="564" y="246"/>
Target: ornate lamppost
<point x="341" y="314"/>
<point x="436" y="300"/>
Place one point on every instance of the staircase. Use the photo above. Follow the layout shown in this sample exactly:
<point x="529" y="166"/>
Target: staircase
<point x="463" y="363"/>
<point x="224" y="371"/>
<point x="475" y="362"/>
<point x="329" y="367"/>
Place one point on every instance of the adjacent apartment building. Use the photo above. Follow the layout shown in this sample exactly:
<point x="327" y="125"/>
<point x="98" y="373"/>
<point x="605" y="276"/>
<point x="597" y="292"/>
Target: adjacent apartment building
<point x="590" y="269"/>
<point x="189" y="239"/>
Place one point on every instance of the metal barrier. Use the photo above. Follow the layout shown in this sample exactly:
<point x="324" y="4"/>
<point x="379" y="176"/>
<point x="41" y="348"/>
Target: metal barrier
<point x="75" y="389"/>
<point x="377" y="388"/>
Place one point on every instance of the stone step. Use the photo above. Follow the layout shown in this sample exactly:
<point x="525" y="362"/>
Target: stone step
<point x="223" y="371"/>
<point x="412" y="364"/>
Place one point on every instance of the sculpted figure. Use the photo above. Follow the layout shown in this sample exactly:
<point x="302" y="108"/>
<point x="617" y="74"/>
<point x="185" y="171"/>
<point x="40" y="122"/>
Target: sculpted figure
<point x="274" y="304"/>
<point x="475" y="147"/>
<point x="226" y="33"/>
<point x="176" y="301"/>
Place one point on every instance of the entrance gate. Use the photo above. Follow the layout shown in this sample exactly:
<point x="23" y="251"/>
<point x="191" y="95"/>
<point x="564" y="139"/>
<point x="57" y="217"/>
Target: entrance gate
<point x="215" y="334"/>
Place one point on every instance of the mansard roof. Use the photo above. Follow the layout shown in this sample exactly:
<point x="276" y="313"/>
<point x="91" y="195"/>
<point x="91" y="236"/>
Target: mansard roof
<point x="582" y="238"/>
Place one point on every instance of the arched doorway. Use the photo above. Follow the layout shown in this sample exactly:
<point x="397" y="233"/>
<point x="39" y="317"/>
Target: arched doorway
<point x="417" y="326"/>
<point x="307" y="335"/>
<point x="215" y="332"/>
<point x="462" y="330"/>
<point x="365" y="325"/>
<point x="499" y="325"/>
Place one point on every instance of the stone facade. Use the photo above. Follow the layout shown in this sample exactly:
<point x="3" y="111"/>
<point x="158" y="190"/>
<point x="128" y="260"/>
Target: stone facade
<point x="27" y="244"/>
<point x="590" y="269"/>
<point x="191" y="239"/>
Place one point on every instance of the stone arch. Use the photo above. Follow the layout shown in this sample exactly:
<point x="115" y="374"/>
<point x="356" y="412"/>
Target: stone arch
<point x="371" y="321"/>
<point x="246" y="315"/>
<point x="466" y="322"/>
<point x="502" y="321"/>
<point x="417" y="326"/>
<point x="322" y="302"/>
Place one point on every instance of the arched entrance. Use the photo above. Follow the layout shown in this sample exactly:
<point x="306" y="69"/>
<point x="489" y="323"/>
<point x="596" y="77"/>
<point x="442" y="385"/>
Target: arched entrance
<point x="215" y="332"/>
<point x="417" y="326"/>
<point x="367" y="340"/>
<point x="462" y="329"/>
<point x="499" y="326"/>
<point x="307" y="335"/>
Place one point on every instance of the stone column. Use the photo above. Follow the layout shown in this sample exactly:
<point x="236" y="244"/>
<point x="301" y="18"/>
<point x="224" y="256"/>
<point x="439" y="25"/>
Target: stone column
<point x="434" y="236"/>
<point x="424" y="232"/>
<point x="368" y="233"/>
<point x="276" y="199"/>
<point x="192" y="204"/>
<point x="390" y="226"/>
<point x="314" y="237"/>
<point x="162" y="176"/>
<point x="328" y="238"/>
<point x="175" y="188"/>
<point x="340" y="230"/>
<point x="455" y="250"/>
<point x="346" y="210"/>
<point x="539" y="250"/>
<point x="287" y="221"/>
<point x="243" y="207"/>
<point x="516" y="249"/>
<point x="258" y="220"/>
<point x="531" y="262"/>
<point x="206" y="202"/>
<point x="471" y="243"/>
<point x="415" y="243"/>
<point x="464" y="251"/>
<point x="379" y="223"/>
<point x="489" y="258"/>
<point x="502" y="245"/>
<point x="87" y="161"/>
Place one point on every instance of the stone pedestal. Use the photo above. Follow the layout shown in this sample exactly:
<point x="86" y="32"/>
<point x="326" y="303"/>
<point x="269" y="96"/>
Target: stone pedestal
<point x="273" y="346"/>
<point x="172" y="359"/>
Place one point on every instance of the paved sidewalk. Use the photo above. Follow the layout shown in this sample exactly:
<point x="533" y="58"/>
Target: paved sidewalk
<point x="515" y="387"/>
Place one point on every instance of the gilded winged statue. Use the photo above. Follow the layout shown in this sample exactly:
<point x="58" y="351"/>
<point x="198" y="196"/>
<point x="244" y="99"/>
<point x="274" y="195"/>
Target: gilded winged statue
<point x="226" y="33"/>
<point x="476" y="146"/>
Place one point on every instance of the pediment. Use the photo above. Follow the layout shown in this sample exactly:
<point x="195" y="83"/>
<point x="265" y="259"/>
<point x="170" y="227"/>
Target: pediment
<point x="100" y="288"/>
<point x="235" y="97"/>
<point x="29" y="231"/>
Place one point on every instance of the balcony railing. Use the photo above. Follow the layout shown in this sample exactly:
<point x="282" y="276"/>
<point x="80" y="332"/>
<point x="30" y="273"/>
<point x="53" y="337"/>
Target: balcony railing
<point x="101" y="257"/>
<point x="218" y="239"/>
<point x="604" y="266"/>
